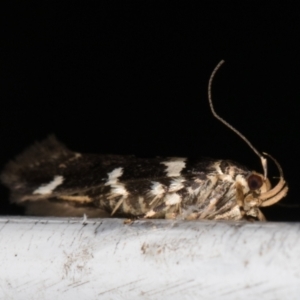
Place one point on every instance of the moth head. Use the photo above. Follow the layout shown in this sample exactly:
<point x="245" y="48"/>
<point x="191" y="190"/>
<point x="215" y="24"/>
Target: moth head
<point x="261" y="192"/>
<point x="257" y="183"/>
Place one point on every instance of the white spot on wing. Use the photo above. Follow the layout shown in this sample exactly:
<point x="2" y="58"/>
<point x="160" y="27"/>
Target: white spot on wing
<point x="174" y="166"/>
<point x="176" y="184"/>
<point x="49" y="187"/>
<point x="172" y="199"/>
<point x="157" y="189"/>
<point x="113" y="176"/>
<point x="117" y="188"/>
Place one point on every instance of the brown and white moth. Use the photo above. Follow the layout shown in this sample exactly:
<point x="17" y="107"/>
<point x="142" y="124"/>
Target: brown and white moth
<point x="50" y="179"/>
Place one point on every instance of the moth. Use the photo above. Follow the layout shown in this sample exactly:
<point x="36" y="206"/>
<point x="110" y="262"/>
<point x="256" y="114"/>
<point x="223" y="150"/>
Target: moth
<point x="50" y="179"/>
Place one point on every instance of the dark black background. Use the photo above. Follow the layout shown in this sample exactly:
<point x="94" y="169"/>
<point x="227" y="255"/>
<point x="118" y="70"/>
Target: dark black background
<point x="130" y="77"/>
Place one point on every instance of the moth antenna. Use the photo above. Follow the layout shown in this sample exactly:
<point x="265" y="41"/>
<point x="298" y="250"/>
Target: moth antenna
<point x="263" y="159"/>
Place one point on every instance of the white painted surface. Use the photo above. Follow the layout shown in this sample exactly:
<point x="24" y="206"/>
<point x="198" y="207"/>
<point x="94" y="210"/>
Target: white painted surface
<point x="47" y="258"/>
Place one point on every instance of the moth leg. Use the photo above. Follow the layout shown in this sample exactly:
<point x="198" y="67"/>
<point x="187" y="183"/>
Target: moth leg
<point x="128" y="221"/>
<point x="169" y="209"/>
<point x="120" y="202"/>
<point x="242" y="203"/>
<point x="219" y="193"/>
<point x="174" y="214"/>
<point x="240" y="198"/>
<point x="233" y="214"/>
<point x="254" y="214"/>
<point x="261" y="216"/>
<point x="155" y="210"/>
<point x="155" y="201"/>
<point x="172" y="205"/>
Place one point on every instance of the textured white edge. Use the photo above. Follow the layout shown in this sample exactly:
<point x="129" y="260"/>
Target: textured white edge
<point x="59" y="258"/>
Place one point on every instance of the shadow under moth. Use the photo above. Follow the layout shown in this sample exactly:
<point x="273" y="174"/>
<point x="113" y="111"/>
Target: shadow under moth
<point x="49" y="179"/>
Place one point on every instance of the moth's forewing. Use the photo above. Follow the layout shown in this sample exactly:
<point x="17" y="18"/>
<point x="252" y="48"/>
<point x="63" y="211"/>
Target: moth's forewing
<point x="49" y="173"/>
